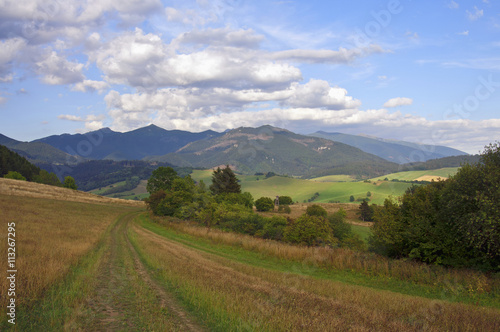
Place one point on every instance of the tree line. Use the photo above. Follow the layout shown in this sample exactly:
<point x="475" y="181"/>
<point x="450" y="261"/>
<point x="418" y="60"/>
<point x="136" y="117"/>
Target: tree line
<point x="14" y="166"/>
<point x="224" y="206"/>
<point x="455" y="222"/>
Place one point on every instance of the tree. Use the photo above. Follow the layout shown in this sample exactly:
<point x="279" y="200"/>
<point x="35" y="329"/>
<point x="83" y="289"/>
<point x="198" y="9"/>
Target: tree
<point x="47" y="178"/>
<point x="285" y="200"/>
<point x="316" y="210"/>
<point x="162" y="178"/>
<point x="14" y="175"/>
<point x="351" y="199"/>
<point x="264" y="204"/>
<point x="70" y="183"/>
<point x="224" y="181"/>
<point x="365" y="211"/>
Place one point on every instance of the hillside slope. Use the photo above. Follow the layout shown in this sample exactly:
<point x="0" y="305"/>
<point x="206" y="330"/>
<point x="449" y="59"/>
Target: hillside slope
<point x="270" y="149"/>
<point x="39" y="152"/>
<point x="396" y="151"/>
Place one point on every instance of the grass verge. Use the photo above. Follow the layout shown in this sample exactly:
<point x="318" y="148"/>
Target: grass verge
<point x="233" y="288"/>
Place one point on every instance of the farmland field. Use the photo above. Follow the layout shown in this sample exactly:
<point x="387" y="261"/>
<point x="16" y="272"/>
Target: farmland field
<point x="302" y="190"/>
<point x="428" y="175"/>
<point x="334" y="188"/>
<point x="100" y="266"/>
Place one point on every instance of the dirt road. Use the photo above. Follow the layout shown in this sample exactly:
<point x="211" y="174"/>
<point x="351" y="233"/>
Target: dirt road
<point x="126" y="297"/>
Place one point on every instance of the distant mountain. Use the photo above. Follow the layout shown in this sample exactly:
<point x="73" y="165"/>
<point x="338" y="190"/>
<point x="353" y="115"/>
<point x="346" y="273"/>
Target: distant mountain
<point x="270" y="149"/>
<point x="132" y="145"/>
<point x="396" y="151"/>
<point x="39" y="152"/>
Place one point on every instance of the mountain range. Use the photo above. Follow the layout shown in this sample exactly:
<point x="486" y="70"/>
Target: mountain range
<point x="400" y="152"/>
<point x="249" y="150"/>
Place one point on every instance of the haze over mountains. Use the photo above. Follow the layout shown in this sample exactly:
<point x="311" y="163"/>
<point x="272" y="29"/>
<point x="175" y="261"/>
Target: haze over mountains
<point x="250" y="150"/>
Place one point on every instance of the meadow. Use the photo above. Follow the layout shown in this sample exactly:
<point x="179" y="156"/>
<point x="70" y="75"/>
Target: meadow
<point x="100" y="266"/>
<point x="303" y="190"/>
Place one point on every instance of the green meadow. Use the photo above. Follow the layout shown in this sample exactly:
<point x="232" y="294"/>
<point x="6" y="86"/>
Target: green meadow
<point x="300" y="189"/>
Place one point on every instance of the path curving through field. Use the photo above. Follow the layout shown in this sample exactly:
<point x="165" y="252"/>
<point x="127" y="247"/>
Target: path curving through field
<point x="125" y="296"/>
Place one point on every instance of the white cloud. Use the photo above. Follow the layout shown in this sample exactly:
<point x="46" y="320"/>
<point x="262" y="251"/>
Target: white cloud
<point x="222" y="37"/>
<point x="463" y="33"/>
<point x="92" y="122"/>
<point x="56" y="70"/>
<point x="399" y="101"/>
<point x="342" y="56"/>
<point x="318" y="94"/>
<point x="476" y="14"/>
<point x="91" y="86"/>
<point x="9" y="52"/>
<point x="143" y="60"/>
<point x="2" y="100"/>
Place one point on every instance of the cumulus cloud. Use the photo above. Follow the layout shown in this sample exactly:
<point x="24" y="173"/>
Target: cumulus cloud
<point x="9" y="50"/>
<point x="143" y="60"/>
<point x="57" y="70"/>
<point x="399" y="101"/>
<point x="318" y="94"/>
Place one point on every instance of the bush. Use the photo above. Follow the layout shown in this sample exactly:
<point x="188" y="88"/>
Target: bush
<point x="340" y="229"/>
<point x="264" y="204"/>
<point x="285" y="200"/>
<point x="316" y="210"/>
<point x="309" y="230"/>
<point x="244" y="199"/>
<point x="284" y="209"/>
<point x="274" y="228"/>
<point x="14" y="175"/>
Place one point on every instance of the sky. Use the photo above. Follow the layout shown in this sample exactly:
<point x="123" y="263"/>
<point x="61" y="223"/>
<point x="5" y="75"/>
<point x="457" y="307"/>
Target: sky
<point x="421" y="71"/>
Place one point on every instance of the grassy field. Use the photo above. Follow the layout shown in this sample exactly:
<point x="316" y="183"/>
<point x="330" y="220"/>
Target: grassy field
<point x="100" y="266"/>
<point x="442" y="173"/>
<point x="300" y="189"/>
<point x="333" y="188"/>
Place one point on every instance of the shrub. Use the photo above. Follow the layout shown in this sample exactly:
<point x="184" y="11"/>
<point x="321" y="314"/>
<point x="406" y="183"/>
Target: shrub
<point x="316" y="210"/>
<point x="284" y="209"/>
<point x="274" y="228"/>
<point x="309" y="230"/>
<point x="244" y="199"/>
<point x="264" y="204"/>
<point x="285" y="200"/>
<point x="340" y="229"/>
<point x="14" y="175"/>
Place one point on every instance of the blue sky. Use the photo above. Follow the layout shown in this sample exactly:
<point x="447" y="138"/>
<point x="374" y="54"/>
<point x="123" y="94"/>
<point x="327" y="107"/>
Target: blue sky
<point x="421" y="71"/>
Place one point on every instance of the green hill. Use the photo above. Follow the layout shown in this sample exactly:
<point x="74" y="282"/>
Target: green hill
<point x="303" y="190"/>
<point x="269" y="149"/>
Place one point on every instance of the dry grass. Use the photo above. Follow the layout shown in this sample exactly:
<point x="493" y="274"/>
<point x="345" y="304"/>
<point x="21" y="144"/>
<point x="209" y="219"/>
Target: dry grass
<point x="236" y="296"/>
<point x="51" y="236"/>
<point x="455" y="282"/>
<point x="30" y="189"/>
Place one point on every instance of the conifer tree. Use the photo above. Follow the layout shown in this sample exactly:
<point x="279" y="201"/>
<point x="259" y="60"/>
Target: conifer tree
<point x="224" y="181"/>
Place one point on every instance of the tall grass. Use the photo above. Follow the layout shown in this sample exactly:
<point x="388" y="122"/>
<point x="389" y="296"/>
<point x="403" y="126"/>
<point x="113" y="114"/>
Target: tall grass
<point x="452" y="283"/>
<point x="230" y="295"/>
<point x="51" y="236"/>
